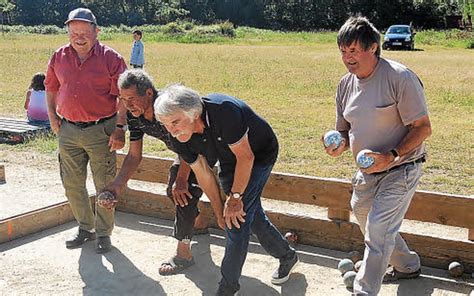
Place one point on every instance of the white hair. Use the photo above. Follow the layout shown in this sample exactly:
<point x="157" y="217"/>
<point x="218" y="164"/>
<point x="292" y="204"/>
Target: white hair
<point x="178" y="98"/>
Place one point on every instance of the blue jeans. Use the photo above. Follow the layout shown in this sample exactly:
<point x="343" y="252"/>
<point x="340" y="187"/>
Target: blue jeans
<point x="255" y="222"/>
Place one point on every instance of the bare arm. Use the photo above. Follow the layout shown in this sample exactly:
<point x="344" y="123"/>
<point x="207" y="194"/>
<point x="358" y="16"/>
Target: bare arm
<point x="418" y="131"/>
<point x="54" y="118"/>
<point x="244" y="163"/>
<point x="117" y="138"/>
<point x="129" y="166"/>
<point x="27" y="100"/>
<point x="234" y="208"/>
<point x="209" y="185"/>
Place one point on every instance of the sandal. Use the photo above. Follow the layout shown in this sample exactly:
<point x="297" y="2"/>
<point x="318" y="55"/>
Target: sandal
<point x="177" y="265"/>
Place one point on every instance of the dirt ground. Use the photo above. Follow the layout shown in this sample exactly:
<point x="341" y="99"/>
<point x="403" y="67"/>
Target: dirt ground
<point x="40" y="264"/>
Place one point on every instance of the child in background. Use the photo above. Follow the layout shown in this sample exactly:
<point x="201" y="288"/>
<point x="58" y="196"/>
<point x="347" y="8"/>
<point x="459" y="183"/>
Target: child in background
<point x="137" y="58"/>
<point x="35" y="103"/>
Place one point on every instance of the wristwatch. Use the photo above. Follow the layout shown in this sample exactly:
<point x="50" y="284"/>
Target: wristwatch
<point x="236" y="195"/>
<point x="395" y="155"/>
<point x="123" y="127"/>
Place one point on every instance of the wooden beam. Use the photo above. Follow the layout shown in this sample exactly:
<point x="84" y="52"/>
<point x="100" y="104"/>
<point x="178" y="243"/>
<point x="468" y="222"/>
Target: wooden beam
<point x="440" y="208"/>
<point x="146" y="203"/>
<point x="445" y="209"/>
<point x="2" y="174"/>
<point x="471" y="234"/>
<point x="151" y="169"/>
<point x="337" y="214"/>
<point x="35" y="221"/>
<point x="333" y="234"/>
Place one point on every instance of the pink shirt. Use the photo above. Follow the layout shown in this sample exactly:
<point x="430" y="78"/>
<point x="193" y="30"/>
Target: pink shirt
<point x="87" y="91"/>
<point x="37" y="107"/>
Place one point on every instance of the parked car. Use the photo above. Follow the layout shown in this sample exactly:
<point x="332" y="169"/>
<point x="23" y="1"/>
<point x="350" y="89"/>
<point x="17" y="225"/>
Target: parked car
<point x="399" y="36"/>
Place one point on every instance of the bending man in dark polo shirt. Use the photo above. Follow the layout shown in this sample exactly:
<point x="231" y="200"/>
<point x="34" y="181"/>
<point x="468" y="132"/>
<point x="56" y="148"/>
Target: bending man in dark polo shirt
<point x="81" y="88"/>
<point x="138" y="95"/>
<point x="222" y="128"/>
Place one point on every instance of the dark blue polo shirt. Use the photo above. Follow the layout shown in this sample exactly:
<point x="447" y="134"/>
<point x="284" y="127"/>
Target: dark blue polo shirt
<point x="227" y="120"/>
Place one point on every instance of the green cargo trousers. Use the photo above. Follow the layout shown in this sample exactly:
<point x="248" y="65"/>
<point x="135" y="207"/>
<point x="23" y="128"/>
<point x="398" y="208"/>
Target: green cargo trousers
<point x="77" y="147"/>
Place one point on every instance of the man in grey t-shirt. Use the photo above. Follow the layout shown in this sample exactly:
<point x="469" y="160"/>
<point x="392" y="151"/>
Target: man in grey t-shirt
<point x="380" y="105"/>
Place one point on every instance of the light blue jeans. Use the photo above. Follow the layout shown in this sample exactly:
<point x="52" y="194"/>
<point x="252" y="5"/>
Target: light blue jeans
<point x="379" y="202"/>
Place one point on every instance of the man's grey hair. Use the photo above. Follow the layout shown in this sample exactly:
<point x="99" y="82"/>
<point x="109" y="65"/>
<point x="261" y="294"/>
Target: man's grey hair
<point x="178" y="98"/>
<point x="359" y="29"/>
<point x="138" y="78"/>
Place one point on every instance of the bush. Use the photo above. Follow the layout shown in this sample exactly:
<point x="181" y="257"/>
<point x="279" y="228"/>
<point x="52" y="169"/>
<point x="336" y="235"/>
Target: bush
<point x="470" y="44"/>
<point x="227" y="29"/>
<point x="173" y="29"/>
<point x="188" y="26"/>
<point x="40" y="29"/>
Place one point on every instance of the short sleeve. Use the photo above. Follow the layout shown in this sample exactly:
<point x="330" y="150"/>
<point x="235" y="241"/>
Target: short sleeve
<point x="135" y="133"/>
<point x="232" y="123"/>
<point x="118" y="66"/>
<point x="51" y="82"/>
<point x="411" y="99"/>
<point x="341" y="122"/>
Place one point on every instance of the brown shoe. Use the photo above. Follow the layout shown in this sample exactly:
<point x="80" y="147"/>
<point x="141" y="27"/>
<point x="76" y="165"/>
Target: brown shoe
<point x="80" y="238"/>
<point x="393" y="275"/>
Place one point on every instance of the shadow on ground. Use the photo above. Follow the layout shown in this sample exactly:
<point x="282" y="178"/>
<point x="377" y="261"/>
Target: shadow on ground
<point x="114" y="273"/>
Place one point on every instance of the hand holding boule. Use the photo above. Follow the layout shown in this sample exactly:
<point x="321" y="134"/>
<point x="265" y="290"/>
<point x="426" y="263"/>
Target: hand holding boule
<point x="107" y="200"/>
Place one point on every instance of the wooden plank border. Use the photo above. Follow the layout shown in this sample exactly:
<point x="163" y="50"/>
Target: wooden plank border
<point x="2" y="174"/>
<point x="444" y="209"/>
<point x="332" y="234"/>
<point x="35" y="221"/>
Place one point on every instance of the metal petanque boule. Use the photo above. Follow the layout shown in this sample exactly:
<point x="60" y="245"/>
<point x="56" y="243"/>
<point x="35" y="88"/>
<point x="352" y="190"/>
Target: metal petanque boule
<point x="456" y="269"/>
<point x="363" y="160"/>
<point x="349" y="278"/>
<point x="332" y="137"/>
<point x="345" y="265"/>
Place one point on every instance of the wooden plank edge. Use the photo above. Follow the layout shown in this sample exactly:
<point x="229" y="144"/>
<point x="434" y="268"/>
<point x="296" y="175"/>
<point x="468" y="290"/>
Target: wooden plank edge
<point x="336" y="235"/>
<point x="35" y="221"/>
<point x="332" y="193"/>
<point x="2" y="174"/>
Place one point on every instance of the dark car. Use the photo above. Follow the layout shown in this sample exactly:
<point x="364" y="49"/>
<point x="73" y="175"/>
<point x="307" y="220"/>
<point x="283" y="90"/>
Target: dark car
<point x="399" y="36"/>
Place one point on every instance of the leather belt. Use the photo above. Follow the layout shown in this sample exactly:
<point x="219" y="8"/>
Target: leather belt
<point x="421" y="159"/>
<point x="82" y="124"/>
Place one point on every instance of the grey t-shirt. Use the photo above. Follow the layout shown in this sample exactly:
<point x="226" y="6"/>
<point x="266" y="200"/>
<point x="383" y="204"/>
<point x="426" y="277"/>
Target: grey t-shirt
<point x="377" y="110"/>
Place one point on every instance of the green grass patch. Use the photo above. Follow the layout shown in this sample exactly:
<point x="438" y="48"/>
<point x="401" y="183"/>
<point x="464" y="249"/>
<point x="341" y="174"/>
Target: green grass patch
<point x="288" y="78"/>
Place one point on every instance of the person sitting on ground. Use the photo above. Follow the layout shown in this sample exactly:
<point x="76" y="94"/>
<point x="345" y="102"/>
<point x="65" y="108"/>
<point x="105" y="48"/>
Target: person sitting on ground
<point x="35" y="104"/>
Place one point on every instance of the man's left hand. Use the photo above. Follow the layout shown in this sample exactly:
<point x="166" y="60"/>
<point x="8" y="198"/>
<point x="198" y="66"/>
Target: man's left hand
<point x="117" y="139"/>
<point x="381" y="162"/>
<point x="234" y="212"/>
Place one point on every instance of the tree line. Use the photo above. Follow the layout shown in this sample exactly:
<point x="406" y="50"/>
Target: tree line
<point x="287" y="15"/>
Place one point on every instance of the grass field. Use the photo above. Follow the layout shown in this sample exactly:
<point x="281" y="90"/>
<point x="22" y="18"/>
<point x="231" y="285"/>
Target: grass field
<point x="290" y="79"/>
